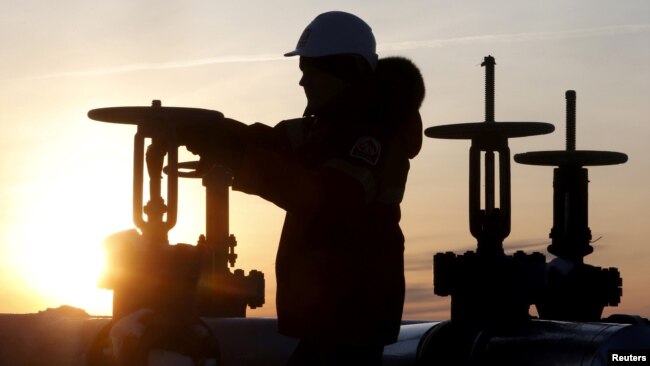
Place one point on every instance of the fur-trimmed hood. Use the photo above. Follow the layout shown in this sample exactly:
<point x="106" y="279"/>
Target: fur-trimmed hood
<point x="400" y="93"/>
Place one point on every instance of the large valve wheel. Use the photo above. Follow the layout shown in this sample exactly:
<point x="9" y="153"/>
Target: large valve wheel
<point x="155" y="113"/>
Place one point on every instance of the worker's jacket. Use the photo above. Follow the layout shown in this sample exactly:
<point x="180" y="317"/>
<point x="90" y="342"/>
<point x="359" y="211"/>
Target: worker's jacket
<point x="339" y="267"/>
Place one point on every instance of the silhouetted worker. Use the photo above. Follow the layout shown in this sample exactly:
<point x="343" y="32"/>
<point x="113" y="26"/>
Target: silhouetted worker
<point x="339" y="172"/>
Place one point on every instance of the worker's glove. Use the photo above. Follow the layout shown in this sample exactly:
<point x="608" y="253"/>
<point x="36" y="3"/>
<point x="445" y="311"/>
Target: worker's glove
<point x="218" y="142"/>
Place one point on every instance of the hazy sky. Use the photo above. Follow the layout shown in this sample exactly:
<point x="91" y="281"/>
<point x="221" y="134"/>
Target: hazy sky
<point x="65" y="181"/>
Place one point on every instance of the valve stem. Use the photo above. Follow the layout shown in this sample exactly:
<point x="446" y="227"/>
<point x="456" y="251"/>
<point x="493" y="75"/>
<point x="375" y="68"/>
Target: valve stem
<point x="570" y="120"/>
<point x="489" y="63"/>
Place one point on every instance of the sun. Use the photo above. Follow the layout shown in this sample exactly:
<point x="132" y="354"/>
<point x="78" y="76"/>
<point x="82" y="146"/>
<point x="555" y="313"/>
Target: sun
<point x="63" y="216"/>
<point x="71" y="202"/>
<point x="66" y="272"/>
<point x="62" y="223"/>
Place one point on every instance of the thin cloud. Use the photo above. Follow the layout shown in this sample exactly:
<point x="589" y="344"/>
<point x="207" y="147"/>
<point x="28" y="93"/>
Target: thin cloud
<point x="419" y="264"/>
<point x="528" y="245"/>
<point x="397" y="46"/>
<point x="422" y="260"/>
<point x="421" y="303"/>
<point x="167" y="65"/>
<point x="518" y="37"/>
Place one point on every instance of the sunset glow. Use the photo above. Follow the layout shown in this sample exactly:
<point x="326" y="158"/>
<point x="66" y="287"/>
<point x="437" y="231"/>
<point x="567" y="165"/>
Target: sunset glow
<point x="65" y="181"/>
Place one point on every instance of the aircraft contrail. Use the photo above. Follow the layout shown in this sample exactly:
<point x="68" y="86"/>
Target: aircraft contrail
<point x="518" y="37"/>
<point x="167" y="65"/>
<point x="383" y="47"/>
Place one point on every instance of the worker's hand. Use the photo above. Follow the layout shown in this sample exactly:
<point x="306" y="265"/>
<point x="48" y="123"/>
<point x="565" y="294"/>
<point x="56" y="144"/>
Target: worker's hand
<point x="197" y="136"/>
<point x="219" y="142"/>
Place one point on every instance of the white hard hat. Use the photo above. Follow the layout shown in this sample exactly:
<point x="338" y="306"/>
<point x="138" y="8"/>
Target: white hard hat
<point x="336" y="33"/>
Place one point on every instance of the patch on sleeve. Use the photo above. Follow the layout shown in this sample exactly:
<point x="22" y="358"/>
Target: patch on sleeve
<point x="367" y="149"/>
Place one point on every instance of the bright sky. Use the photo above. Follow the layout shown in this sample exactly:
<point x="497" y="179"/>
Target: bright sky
<point x="65" y="181"/>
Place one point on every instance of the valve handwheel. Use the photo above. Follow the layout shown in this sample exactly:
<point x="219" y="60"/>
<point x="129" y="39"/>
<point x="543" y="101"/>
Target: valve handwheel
<point x="155" y="113"/>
